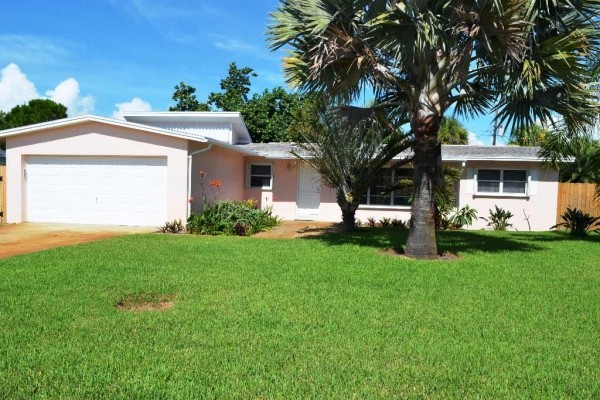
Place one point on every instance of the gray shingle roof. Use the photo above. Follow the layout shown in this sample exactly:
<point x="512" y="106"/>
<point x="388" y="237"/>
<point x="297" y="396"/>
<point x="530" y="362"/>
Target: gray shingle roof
<point x="449" y="152"/>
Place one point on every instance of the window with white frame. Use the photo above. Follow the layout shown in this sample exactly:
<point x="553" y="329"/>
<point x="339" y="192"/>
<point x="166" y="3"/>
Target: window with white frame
<point x="507" y="181"/>
<point x="378" y="195"/>
<point x="260" y="176"/>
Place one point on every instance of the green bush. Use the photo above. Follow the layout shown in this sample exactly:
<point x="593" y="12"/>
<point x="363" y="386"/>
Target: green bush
<point x="498" y="219"/>
<point x="233" y="218"/>
<point x="578" y="223"/>
<point x="463" y="217"/>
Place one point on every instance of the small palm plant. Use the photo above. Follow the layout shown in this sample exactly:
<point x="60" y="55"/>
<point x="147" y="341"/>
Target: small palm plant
<point x="498" y="219"/>
<point x="578" y="223"/>
<point x="463" y="217"/>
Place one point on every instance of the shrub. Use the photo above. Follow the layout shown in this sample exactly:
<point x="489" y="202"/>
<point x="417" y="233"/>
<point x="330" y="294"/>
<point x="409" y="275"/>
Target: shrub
<point x="175" y="226"/>
<point x="371" y="222"/>
<point x="578" y="223"/>
<point x="241" y="218"/>
<point x="498" y="219"/>
<point x="385" y="222"/>
<point x="463" y="217"/>
<point x="398" y="223"/>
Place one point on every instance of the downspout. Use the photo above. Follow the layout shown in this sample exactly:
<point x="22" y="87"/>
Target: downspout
<point x="462" y="169"/>
<point x="189" y="188"/>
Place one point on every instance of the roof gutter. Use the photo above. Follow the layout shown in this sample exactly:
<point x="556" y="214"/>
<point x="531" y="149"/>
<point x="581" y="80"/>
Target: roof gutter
<point x="189" y="186"/>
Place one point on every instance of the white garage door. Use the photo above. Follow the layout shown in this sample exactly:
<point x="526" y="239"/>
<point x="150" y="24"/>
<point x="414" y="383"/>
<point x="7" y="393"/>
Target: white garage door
<point x="97" y="190"/>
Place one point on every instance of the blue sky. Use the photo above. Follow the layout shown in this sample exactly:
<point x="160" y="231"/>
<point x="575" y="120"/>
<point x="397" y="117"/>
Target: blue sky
<point x="96" y="55"/>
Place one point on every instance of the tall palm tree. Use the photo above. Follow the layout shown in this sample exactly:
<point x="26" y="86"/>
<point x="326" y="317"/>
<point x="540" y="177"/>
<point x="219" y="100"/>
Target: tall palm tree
<point x="523" y="59"/>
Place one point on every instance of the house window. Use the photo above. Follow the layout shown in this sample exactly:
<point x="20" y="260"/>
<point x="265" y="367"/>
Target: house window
<point x="509" y="181"/>
<point x="385" y="178"/>
<point x="260" y="176"/>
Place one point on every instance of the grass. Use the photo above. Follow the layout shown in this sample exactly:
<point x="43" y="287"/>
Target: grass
<point x="518" y="315"/>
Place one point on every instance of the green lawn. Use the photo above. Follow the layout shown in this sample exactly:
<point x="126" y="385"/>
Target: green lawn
<point x="517" y="316"/>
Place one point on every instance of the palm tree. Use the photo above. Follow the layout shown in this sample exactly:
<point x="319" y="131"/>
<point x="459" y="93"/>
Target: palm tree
<point x="524" y="59"/>
<point x="347" y="147"/>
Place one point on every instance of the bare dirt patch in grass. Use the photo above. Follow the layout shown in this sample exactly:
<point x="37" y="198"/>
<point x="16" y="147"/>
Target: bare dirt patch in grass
<point x="142" y="302"/>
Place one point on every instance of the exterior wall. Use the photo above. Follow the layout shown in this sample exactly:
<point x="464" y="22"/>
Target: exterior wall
<point x="95" y="139"/>
<point x="540" y="207"/>
<point x="284" y="194"/>
<point x="220" y="164"/>
<point x="285" y="186"/>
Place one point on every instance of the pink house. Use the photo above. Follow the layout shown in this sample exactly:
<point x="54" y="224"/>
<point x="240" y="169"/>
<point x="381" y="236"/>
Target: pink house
<point x="142" y="171"/>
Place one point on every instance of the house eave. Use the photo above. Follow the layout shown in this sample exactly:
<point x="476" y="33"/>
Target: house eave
<point x="82" y="119"/>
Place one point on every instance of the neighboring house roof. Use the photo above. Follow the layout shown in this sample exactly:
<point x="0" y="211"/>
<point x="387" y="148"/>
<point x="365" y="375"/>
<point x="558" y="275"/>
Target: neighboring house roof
<point x="449" y="152"/>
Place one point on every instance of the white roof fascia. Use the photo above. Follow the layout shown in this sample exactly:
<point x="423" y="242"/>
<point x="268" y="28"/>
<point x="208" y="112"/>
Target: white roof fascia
<point x="93" y="118"/>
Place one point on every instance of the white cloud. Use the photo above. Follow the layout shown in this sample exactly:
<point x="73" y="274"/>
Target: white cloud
<point x="473" y="140"/>
<point x="136" y="104"/>
<point x="17" y="89"/>
<point x="67" y="94"/>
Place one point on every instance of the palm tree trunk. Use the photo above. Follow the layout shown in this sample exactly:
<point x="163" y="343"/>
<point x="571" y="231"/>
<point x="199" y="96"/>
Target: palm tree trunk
<point x="421" y="241"/>
<point x="348" y="213"/>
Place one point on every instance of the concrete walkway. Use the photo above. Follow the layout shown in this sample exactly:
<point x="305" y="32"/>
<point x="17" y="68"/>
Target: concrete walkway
<point x="18" y="239"/>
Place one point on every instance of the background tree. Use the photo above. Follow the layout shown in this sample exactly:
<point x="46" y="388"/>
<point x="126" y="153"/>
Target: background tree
<point x="185" y="98"/>
<point x="533" y="135"/>
<point x="452" y="132"/>
<point x="524" y="59"/>
<point x="34" y="112"/>
<point x="234" y="89"/>
<point x="577" y="157"/>
<point x="348" y="150"/>
<point x="268" y="115"/>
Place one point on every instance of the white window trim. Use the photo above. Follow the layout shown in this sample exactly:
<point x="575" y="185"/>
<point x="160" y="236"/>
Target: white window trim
<point x="390" y="206"/>
<point x="249" y="176"/>
<point x="501" y="193"/>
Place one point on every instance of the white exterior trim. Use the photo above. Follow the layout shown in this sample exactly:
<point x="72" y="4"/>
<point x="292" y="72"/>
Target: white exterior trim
<point x="501" y="193"/>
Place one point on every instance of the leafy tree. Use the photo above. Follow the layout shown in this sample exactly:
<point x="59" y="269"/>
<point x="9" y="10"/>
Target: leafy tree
<point x="234" y="89"/>
<point x="534" y="135"/>
<point x="185" y="96"/>
<point x="524" y="59"/>
<point x="34" y="112"/>
<point x="452" y="132"/>
<point x="270" y="115"/>
<point x="348" y="150"/>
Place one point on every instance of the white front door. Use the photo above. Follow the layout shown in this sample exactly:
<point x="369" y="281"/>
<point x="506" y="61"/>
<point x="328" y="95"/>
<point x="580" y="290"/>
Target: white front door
<point x="97" y="190"/>
<point x="309" y="192"/>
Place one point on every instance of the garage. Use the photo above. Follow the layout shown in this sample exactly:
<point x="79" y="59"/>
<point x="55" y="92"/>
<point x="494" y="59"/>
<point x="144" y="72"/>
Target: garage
<point x="99" y="190"/>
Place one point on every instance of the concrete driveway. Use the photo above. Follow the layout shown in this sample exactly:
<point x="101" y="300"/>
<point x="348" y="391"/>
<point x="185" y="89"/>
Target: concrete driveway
<point x="28" y="238"/>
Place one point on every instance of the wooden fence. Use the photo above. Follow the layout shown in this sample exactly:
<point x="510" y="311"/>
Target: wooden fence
<point x="2" y="194"/>
<point x="577" y="195"/>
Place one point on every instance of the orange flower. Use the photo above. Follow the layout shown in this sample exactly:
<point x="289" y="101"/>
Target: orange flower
<point x="202" y="174"/>
<point x="191" y="200"/>
<point x="215" y="183"/>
